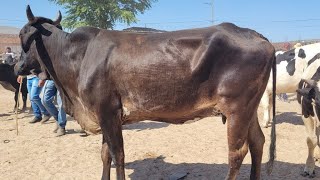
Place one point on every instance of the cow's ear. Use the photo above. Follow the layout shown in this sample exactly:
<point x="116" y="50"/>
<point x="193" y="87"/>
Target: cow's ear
<point x="304" y="91"/>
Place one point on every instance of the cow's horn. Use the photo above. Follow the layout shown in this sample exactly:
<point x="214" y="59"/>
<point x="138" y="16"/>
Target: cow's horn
<point x="310" y="82"/>
<point x="30" y="15"/>
<point x="58" y="20"/>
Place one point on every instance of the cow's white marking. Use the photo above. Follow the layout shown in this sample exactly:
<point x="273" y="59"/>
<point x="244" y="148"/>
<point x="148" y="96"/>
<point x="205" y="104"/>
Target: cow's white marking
<point x="125" y="111"/>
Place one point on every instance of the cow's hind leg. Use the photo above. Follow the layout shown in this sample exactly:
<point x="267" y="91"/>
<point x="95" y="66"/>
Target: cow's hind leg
<point x="111" y="126"/>
<point x="312" y="143"/>
<point x="256" y="141"/>
<point x="237" y="141"/>
<point x="106" y="159"/>
<point x="24" y="99"/>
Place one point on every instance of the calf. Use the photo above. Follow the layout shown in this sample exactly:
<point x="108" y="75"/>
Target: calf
<point x="292" y="66"/>
<point x="8" y="80"/>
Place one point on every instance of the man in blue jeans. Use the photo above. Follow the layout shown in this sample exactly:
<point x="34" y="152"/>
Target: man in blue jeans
<point x="49" y="91"/>
<point x="34" y="91"/>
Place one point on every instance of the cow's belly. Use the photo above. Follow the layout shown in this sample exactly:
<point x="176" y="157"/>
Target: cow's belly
<point x="288" y="84"/>
<point x="171" y="113"/>
<point x="85" y="117"/>
<point x="7" y="86"/>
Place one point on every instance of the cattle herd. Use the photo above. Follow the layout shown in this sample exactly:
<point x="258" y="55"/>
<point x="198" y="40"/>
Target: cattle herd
<point x="119" y="78"/>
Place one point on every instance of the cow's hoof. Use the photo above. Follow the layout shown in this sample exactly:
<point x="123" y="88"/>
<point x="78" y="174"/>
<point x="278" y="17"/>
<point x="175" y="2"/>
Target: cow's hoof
<point x="307" y="174"/>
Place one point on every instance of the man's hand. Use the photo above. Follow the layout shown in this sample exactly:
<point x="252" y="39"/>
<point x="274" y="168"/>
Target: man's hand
<point x="41" y="83"/>
<point x="19" y="79"/>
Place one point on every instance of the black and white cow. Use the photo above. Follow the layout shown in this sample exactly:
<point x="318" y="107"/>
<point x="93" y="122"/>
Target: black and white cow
<point x="309" y="98"/>
<point x="292" y="66"/>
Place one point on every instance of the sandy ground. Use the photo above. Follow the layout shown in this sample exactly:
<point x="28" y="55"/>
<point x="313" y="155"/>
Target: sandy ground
<point x="153" y="150"/>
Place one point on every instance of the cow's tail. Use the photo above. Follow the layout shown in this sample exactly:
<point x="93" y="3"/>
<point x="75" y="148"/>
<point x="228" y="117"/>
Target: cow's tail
<point x="272" y="150"/>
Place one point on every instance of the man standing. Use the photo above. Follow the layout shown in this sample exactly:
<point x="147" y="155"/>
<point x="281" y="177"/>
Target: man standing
<point x="49" y="91"/>
<point x="9" y="52"/>
<point x="34" y="91"/>
<point x="10" y="56"/>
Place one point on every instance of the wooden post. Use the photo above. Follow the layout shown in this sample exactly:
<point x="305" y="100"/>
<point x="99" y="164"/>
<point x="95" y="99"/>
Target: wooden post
<point x="17" y="107"/>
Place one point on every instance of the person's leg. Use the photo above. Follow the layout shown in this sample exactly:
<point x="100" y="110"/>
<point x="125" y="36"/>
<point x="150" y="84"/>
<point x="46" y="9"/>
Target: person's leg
<point x="36" y="90"/>
<point x="49" y="91"/>
<point x="34" y="106"/>
<point x="62" y="116"/>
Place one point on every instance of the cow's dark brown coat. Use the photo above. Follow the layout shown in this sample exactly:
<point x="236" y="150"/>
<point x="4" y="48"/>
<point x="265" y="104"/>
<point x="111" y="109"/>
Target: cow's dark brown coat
<point x="112" y="78"/>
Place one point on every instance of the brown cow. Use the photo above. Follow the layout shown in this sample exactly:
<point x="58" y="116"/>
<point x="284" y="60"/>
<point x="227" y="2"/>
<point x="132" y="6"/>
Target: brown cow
<point x="113" y="78"/>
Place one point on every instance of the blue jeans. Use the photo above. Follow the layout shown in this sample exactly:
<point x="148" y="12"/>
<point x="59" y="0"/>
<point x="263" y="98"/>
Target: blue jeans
<point x="34" y="92"/>
<point x="49" y="91"/>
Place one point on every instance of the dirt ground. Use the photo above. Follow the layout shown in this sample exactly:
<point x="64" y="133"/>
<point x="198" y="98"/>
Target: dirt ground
<point x="153" y="150"/>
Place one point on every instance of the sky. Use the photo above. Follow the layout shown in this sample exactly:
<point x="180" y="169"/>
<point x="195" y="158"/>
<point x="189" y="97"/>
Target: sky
<point x="278" y="20"/>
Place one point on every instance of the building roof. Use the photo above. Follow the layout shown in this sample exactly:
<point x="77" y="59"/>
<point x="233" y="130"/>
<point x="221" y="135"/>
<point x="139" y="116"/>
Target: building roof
<point x="9" y="30"/>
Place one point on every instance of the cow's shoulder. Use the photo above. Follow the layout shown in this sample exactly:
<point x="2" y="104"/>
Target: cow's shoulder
<point x="83" y="34"/>
<point x="76" y="42"/>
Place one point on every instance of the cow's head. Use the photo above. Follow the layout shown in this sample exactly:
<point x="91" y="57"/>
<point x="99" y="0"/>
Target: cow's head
<point x="34" y="28"/>
<point x="32" y="31"/>
<point x="27" y="65"/>
<point x="311" y="94"/>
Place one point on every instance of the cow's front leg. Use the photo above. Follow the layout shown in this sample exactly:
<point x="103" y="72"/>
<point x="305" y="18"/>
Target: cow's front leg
<point x="312" y="143"/>
<point x="111" y="126"/>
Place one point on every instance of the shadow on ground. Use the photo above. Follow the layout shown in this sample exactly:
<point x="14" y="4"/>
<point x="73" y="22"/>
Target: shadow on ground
<point x="157" y="168"/>
<point x="289" y="117"/>
<point x="4" y="115"/>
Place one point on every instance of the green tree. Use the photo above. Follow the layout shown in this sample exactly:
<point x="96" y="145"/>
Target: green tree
<point x="101" y="13"/>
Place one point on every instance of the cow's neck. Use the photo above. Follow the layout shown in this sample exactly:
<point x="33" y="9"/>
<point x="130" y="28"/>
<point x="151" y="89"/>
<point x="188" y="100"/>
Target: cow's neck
<point x="50" y="50"/>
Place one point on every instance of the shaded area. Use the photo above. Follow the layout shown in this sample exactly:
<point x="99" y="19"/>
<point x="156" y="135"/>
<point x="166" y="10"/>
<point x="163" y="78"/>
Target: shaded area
<point x="148" y="125"/>
<point x="157" y="168"/>
<point x="76" y="131"/>
<point x="290" y="117"/>
<point x="20" y="116"/>
<point x="4" y="115"/>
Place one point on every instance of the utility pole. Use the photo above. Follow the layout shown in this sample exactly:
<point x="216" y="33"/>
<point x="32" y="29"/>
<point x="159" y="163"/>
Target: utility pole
<point x="212" y="10"/>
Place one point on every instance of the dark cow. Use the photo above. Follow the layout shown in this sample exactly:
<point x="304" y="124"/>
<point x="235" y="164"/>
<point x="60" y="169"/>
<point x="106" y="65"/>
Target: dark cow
<point x="8" y="80"/>
<point x="112" y="78"/>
